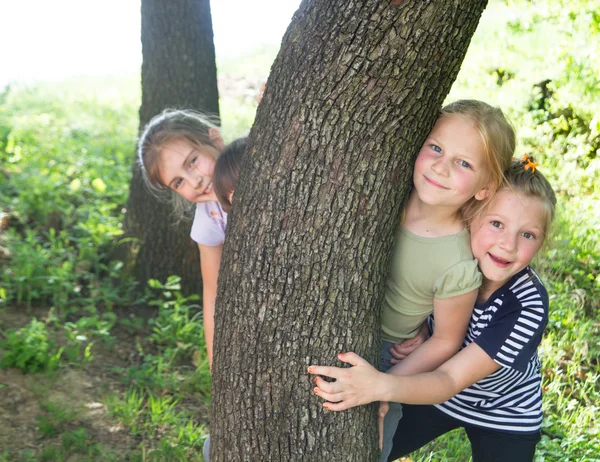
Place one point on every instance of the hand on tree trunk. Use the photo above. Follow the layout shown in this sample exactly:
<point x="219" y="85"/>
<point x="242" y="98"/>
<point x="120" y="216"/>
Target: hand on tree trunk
<point x="353" y="386"/>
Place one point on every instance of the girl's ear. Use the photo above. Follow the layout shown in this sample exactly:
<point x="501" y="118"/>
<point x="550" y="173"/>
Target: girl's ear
<point x="484" y="193"/>
<point x="215" y="137"/>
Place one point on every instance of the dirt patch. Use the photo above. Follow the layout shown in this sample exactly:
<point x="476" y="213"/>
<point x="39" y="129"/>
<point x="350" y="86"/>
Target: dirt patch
<point x="18" y="410"/>
<point x="27" y="400"/>
<point x="75" y="392"/>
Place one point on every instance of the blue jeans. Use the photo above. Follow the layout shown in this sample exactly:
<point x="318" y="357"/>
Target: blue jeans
<point x="394" y="414"/>
<point x="206" y="449"/>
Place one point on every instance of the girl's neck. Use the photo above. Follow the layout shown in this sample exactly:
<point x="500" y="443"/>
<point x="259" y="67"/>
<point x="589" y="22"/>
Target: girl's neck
<point x="430" y="221"/>
<point x="487" y="289"/>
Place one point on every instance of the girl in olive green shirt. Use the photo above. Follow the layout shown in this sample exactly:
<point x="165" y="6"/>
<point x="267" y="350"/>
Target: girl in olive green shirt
<point x="457" y="170"/>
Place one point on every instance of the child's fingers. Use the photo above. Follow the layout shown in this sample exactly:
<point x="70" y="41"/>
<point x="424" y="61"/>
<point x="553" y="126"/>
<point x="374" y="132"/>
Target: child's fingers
<point x="396" y="357"/>
<point x="328" y="387"/>
<point x="352" y="358"/>
<point x="403" y="349"/>
<point x="336" y="372"/>
<point x="331" y="397"/>
<point x="261" y="91"/>
<point x="341" y="406"/>
<point x="327" y="371"/>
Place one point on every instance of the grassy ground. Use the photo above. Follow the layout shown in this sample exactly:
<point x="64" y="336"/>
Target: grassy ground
<point x="93" y="367"/>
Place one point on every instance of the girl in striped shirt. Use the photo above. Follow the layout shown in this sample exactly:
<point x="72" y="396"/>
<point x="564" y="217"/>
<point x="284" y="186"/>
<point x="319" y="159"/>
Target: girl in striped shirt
<point x="492" y="387"/>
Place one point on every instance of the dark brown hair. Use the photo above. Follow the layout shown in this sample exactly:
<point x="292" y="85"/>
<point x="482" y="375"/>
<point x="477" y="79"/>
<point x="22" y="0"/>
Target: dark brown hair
<point x="227" y="170"/>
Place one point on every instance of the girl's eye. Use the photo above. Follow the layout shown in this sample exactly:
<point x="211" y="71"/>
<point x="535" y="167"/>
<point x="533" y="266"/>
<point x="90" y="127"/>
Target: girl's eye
<point x="528" y="235"/>
<point x="496" y="224"/>
<point x="193" y="161"/>
<point x="464" y="163"/>
<point x="436" y="148"/>
<point x="177" y="183"/>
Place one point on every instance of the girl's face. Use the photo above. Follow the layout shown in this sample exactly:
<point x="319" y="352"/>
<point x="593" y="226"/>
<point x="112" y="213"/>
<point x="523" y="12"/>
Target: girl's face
<point x="188" y="170"/>
<point x="450" y="168"/>
<point x="507" y="235"/>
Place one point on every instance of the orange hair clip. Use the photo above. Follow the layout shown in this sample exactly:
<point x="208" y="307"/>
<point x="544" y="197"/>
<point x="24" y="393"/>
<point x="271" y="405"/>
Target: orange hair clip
<point x="529" y="163"/>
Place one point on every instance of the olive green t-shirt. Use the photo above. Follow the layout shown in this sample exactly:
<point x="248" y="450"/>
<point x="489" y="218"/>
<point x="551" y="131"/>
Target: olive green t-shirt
<point x="422" y="269"/>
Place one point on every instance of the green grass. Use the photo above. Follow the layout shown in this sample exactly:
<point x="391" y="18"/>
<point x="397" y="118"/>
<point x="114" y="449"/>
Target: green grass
<point x="168" y="430"/>
<point x="62" y="220"/>
<point x="55" y="418"/>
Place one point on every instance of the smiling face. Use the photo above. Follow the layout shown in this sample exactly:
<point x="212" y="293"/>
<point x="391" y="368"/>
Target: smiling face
<point x="188" y="169"/>
<point x="505" y="238"/>
<point x="450" y="168"/>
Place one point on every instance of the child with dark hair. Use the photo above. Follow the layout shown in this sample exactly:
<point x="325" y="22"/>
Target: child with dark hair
<point x="227" y="169"/>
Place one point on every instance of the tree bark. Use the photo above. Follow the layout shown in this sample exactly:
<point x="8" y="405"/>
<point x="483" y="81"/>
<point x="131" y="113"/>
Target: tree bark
<point x="352" y="94"/>
<point x="178" y="71"/>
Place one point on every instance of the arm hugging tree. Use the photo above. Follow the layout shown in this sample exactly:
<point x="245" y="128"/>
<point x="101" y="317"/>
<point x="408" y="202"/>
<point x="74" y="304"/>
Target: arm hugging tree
<point x="351" y="96"/>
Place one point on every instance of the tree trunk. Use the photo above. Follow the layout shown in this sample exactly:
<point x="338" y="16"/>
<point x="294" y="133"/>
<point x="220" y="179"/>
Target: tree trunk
<point x="178" y="71"/>
<point x="352" y="95"/>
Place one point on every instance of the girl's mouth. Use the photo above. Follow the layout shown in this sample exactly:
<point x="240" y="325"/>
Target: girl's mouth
<point x="499" y="261"/>
<point x="434" y="183"/>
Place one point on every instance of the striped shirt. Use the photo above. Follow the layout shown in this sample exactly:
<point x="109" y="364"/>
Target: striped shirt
<point x="509" y="328"/>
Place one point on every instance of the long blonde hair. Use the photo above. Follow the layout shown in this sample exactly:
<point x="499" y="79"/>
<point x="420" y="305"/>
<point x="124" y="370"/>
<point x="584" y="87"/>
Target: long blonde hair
<point x="499" y="141"/>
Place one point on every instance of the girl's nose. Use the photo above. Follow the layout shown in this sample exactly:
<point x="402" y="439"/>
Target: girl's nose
<point x="194" y="179"/>
<point x="440" y="167"/>
<point x="509" y="242"/>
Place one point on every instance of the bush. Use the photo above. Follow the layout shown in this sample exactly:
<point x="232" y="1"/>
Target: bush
<point x="30" y="349"/>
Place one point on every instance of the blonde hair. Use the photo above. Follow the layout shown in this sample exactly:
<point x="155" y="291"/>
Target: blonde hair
<point x="170" y="125"/>
<point x="499" y="141"/>
<point x="531" y="183"/>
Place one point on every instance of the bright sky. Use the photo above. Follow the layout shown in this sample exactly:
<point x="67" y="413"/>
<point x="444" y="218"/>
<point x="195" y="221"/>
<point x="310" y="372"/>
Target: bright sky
<point x="50" y="39"/>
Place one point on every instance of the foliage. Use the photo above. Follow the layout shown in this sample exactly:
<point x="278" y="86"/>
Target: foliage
<point x="169" y="433"/>
<point x="30" y="349"/>
<point x="151" y="408"/>
<point x="62" y="171"/>
<point x="176" y="326"/>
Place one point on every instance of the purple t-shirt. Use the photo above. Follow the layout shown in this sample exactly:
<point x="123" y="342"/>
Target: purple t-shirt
<point x="210" y="221"/>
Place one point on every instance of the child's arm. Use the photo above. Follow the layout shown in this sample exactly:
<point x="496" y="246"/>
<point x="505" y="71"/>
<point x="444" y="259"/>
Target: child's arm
<point x="451" y="320"/>
<point x="362" y="383"/>
<point x="210" y="262"/>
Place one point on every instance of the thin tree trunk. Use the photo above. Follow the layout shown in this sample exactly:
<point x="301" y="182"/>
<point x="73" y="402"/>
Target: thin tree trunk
<point x="352" y="94"/>
<point x="178" y="71"/>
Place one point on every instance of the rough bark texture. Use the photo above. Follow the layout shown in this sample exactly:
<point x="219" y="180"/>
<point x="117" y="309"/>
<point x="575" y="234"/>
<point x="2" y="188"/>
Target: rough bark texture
<point x="178" y="71"/>
<point x="350" y="99"/>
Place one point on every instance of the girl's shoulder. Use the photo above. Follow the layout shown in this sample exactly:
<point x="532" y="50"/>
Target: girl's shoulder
<point x="527" y="282"/>
<point x="211" y="209"/>
<point x="210" y="221"/>
<point x="524" y="291"/>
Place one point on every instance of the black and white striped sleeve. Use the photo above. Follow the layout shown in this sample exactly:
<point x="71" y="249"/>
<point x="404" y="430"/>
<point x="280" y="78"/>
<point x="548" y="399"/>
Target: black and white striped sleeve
<point x="514" y="333"/>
